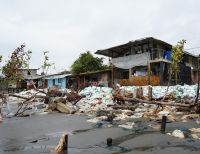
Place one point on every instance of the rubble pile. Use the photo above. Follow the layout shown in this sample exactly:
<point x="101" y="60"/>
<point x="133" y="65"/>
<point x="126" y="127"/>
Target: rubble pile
<point x="159" y="91"/>
<point x="123" y="102"/>
<point x="24" y="103"/>
<point x="95" y="98"/>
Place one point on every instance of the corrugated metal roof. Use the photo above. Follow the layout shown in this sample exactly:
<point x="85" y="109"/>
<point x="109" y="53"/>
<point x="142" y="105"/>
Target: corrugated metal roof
<point x="57" y="76"/>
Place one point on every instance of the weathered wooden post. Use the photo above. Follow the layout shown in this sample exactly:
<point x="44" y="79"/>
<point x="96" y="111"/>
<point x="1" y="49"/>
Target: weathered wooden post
<point x="197" y="106"/>
<point x="150" y="93"/>
<point x="163" y="124"/>
<point x="62" y="145"/>
<point x="197" y="94"/>
<point x="139" y="92"/>
<point x="109" y="142"/>
<point x="149" y="74"/>
<point x="66" y="143"/>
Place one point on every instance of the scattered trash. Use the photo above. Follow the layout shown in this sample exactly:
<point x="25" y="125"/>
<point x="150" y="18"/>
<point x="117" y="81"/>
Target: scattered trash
<point x="190" y="116"/>
<point x="128" y="125"/>
<point x="178" y="133"/>
<point x="196" y="136"/>
<point x="159" y="91"/>
<point x="195" y="130"/>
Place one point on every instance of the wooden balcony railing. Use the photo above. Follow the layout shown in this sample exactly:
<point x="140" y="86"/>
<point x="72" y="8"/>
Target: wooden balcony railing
<point x="140" y="81"/>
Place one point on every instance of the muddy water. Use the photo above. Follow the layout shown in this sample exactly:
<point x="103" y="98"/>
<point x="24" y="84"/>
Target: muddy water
<point x="40" y="134"/>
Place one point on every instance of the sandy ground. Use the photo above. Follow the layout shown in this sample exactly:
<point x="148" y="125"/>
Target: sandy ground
<point x="41" y="133"/>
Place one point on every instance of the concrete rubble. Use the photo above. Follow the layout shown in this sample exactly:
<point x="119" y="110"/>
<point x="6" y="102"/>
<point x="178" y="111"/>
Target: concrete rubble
<point x="178" y="133"/>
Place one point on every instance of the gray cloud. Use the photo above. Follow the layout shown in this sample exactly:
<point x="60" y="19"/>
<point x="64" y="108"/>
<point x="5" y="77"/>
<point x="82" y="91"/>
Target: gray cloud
<point x="68" y="27"/>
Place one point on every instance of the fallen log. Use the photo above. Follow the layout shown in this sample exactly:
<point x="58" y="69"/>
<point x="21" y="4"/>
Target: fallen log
<point x="27" y="98"/>
<point x="137" y="100"/>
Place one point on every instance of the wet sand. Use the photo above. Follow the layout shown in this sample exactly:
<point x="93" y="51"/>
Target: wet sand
<point x="41" y="133"/>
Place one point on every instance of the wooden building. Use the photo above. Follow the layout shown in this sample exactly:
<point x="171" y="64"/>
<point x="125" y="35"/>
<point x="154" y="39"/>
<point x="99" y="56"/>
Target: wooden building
<point x="96" y="78"/>
<point x="148" y="57"/>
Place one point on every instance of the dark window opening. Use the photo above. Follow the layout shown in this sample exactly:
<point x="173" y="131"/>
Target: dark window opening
<point x="59" y="80"/>
<point x="54" y="82"/>
<point x="29" y="72"/>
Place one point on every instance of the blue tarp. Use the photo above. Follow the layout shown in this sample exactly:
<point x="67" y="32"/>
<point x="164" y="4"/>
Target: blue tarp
<point x="167" y="55"/>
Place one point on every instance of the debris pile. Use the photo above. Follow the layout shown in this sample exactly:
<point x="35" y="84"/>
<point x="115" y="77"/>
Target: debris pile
<point x="159" y="91"/>
<point x="95" y="98"/>
<point x="124" y="103"/>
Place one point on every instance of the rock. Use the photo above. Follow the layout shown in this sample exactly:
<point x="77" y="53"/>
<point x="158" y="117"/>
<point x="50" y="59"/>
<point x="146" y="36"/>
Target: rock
<point x="94" y="120"/>
<point x="109" y="126"/>
<point x="52" y="106"/>
<point x="137" y="115"/>
<point x="198" y="121"/>
<point x="163" y="113"/>
<point x="59" y="100"/>
<point x="195" y="136"/>
<point x="171" y="117"/>
<point x="195" y="130"/>
<point x="154" y="126"/>
<point x="128" y="125"/>
<point x="121" y="117"/>
<point x="63" y="108"/>
<point x="178" y="133"/>
<point x="53" y="91"/>
<point x="190" y="116"/>
<point x="58" y="103"/>
<point x="139" y="109"/>
<point x="128" y="112"/>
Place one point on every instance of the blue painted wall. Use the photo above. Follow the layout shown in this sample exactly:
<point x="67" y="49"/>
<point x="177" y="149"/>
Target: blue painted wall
<point x="61" y="83"/>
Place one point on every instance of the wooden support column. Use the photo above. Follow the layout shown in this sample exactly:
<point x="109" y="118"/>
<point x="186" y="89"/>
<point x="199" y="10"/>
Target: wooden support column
<point x="150" y="93"/>
<point x="197" y="93"/>
<point x="113" y="73"/>
<point x="161" y="73"/>
<point x="78" y="82"/>
<point x="112" y="70"/>
<point x="130" y="73"/>
<point x="149" y="74"/>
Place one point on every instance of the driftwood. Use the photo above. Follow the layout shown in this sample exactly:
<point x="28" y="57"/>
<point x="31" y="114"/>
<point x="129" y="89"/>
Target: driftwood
<point x="27" y="101"/>
<point x="73" y="97"/>
<point x="137" y="100"/>
<point x="27" y="98"/>
<point x="121" y="100"/>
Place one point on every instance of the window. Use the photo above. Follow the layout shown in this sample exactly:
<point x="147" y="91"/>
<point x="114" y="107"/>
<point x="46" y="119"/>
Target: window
<point x="59" y="80"/>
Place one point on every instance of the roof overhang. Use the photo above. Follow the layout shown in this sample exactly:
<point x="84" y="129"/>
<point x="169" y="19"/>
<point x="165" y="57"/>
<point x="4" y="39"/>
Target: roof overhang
<point x="119" y="50"/>
<point x="56" y="76"/>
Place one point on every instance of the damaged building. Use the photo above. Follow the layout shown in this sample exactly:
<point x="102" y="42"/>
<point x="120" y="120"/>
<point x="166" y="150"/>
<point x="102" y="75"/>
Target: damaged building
<point x="148" y="59"/>
<point x="95" y="78"/>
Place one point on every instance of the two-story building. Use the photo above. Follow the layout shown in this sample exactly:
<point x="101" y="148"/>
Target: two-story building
<point x="148" y="57"/>
<point x="27" y="75"/>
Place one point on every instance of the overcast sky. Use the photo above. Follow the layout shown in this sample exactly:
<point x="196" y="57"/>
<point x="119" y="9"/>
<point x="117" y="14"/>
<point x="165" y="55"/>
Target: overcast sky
<point x="67" y="28"/>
